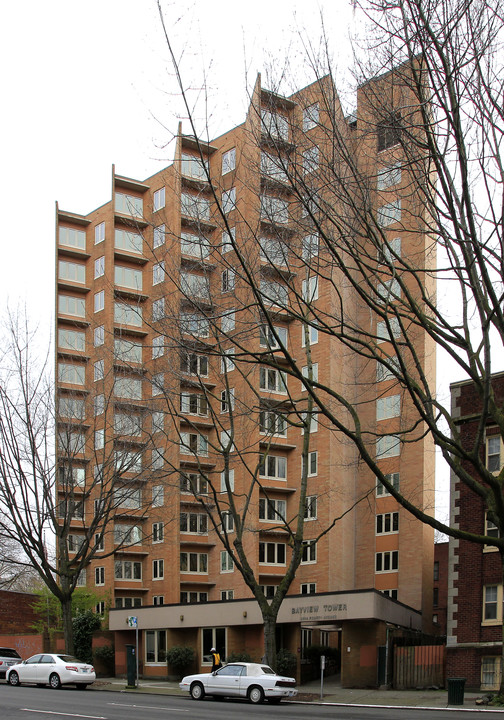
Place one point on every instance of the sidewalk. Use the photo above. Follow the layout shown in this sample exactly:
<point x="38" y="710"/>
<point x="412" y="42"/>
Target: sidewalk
<point x="333" y="693"/>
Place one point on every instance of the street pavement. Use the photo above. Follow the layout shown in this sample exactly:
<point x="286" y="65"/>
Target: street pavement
<point x="333" y="693"/>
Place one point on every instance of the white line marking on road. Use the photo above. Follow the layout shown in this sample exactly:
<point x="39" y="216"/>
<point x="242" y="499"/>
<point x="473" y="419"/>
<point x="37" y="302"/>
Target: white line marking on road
<point x="53" y="712"/>
<point x="146" y="707"/>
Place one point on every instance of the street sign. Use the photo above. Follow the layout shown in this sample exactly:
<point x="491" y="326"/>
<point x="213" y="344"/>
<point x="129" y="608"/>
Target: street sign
<point x="132" y="621"/>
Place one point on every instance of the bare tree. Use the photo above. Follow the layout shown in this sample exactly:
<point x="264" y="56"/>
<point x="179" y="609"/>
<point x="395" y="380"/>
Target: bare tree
<point x="419" y="166"/>
<point x="52" y="471"/>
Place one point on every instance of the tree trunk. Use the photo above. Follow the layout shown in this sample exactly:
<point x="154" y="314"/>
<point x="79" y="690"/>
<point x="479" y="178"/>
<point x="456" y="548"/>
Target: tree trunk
<point x="270" y="638"/>
<point x="66" y="611"/>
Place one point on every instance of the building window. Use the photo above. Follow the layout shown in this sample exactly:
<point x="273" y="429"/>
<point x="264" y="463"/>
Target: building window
<point x="389" y="213"/>
<point x="227" y="240"/>
<point x="127" y="570"/>
<point x="157" y="384"/>
<point x="387" y="561"/>
<point x="99" y="301"/>
<point x="158" y="309"/>
<point x="311" y="159"/>
<point x="128" y="278"/>
<point x="274" y="210"/>
<point x="193" y="484"/>
<point x="194" y="245"/>
<point x="436" y="571"/>
<point x="272" y="380"/>
<point x="492" y="604"/>
<point x="227" y="523"/>
<point x="274" y="125"/>
<point x="128" y="461"/>
<point x="494" y="453"/>
<point x="127" y="351"/>
<point x="193" y="444"/>
<point x="158" y="569"/>
<point x="195" y="206"/>
<point x="309" y="335"/>
<point x="71" y="340"/>
<point x="311" y="116"/>
<point x="228" y="278"/>
<point x="71" y="407"/>
<point x="155" y="646"/>
<point x="193" y="597"/>
<point x="194" y="324"/>
<point x="226" y="562"/>
<point x="310" y="512"/>
<point x="309" y="552"/>
<point x="312" y="463"/>
<point x="388" y="371"/>
<point x="227" y="481"/>
<point x="271" y="553"/>
<point x="274" y="251"/>
<point x="491" y="530"/>
<point x="227" y="400"/>
<point x="390" y="593"/>
<point x="227" y="595"/>
<point x="70" y="237"/>
<point x="305" y="371"/>
<point x="271" y="337"/>
<point x="191" y="562"/>
<point x="157" y="532"/>
<point x="128" y="204"/>
<point x="158" y="273"/>
<point x="228" y="321"/>
<point x="128" y="497"/>
<point x="99" y="404"/>
<point x="194" y="167"/>
<point x="99" y="233"/>
<point x="388" y="330"/>
<point x="388" y="290"/>
<point x="128" y="387"/>
<point x="272" y="510"/>
<point x="158" y="599"/>
<point x="68" y="305"/>
<point x="192" y="364"/>
<point x="129" y="241"/>
<point x="194" y="404"/>
<point x="128" y="602"/>
<point x="227" y="360"/>
<point x="308" y="588"/>
<point x="99" y="267"/>
<point x="125" y="314"/>
<point x="272" y="423"/>
<point x="388" y="407"/>
<point x="381" y="490"/>
<point x="228" y="200"/>
<point x="268" y="591"/>
<point x="158" y="236"/>
<point x="73" y="272"/>
<point x="490" y="672"/>
<point x="99" y="335"/>
<point x="159" y="199"/>
<point x="157" y="346"/>
<point x="228" y="161"/>
<point x="195" y="286"/>
<point x="388" y="446"/>
<point x="389" y="176"/>
<point x="99" y="370"/>
<point x="195" y="523"/>
<point x="99" y="576"/>
<point x="306" y="641"/>
<point x="389" y="131"/>
<point x="387" y="523"/>
<point x="273" y="467"/>
<point x="274" y="293"/>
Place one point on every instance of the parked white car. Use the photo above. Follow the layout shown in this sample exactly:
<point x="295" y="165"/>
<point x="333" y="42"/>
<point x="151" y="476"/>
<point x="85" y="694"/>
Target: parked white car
<point x="253" y="681"/>
<point x="52" y="669"/>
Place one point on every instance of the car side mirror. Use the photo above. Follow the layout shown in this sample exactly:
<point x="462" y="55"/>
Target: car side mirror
<point x="214" y="672"/>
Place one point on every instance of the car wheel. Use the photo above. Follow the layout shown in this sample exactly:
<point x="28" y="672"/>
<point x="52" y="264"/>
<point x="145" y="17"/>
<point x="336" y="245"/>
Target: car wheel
<point x="80" y="686"/>
<point x="197" y="691"/>
<point x="256" y="694"/>
<point x="14" y="678"/>
<point x="54" y="681"/>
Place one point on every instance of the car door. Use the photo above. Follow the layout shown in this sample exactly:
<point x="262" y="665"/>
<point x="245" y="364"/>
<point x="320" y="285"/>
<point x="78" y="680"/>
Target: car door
<point x="45" y="667"/>
<point x="226" y="681"/>
<point x="28" y="670"/>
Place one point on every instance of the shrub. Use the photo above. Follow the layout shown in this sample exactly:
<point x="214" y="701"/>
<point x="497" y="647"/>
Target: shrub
<point x="239" y="657"/>
<point x="180" y="658"/>
<point x="106" y="655"/>
<point x="286" y="663"/>
<point x="84" y="624"/>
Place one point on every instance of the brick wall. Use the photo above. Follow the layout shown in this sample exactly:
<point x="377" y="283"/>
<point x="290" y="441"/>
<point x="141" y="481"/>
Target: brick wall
<point x="16" y="612"/>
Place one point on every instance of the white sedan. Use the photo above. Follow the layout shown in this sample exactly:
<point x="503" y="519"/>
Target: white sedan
<point x="253" y="681"/>
<point x="52" y="669"/>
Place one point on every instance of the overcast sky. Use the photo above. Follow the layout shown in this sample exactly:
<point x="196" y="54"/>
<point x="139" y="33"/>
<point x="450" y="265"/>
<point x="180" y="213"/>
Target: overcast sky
<point x="89" y="84"/>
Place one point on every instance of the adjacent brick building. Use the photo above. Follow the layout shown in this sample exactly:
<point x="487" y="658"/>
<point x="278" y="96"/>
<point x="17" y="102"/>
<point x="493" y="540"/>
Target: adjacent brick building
<point x="440" y="588"/>
<point x="474" y="623"/>
<point x="137" y="279"/>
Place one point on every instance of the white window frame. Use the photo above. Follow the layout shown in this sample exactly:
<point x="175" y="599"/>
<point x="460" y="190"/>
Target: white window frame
<point x="381" y="490"/>
<point x="309" y="552"/>
<point x="388" y="407"/>
<point x="228" y="200"/>
<point x="387" y="561"/>
<point x="158" y="199"/>
<point x="311" y="116"/>
<point x="99" y="267"/>
<point x="158" y="569"/>
<point x="279" y="551"/>
<point x="272" y="380"/>
<point x="310" y="511"/>
<point x="99" y="301"/>
<point x="158" y="273"/>
<point x="226" y="562"/>
<point x="388" y="446"/>
<point x="201" y="563"/>
<point x="158" y="235"/>
<point x="273" y="462"/>
<point x="228" y="161"/>
<point x="387" y="523"/>
<point x="272" y="510"/>
<point x="99" y="233"/>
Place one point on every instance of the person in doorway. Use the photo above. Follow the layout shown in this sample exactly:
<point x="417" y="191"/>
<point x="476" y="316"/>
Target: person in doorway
<point x="216" y="661"/>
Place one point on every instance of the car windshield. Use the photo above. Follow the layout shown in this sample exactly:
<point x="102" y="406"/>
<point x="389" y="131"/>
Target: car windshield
<point x="7" y="652"/>
<point x="68" y="658"/>
<point x="267" y="670"/>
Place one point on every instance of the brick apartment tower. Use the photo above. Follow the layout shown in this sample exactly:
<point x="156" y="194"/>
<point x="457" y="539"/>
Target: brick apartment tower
<point x="136" y="279"/>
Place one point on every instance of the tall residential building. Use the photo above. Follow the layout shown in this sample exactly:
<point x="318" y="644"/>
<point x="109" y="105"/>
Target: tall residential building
<point x="155" y="388"/>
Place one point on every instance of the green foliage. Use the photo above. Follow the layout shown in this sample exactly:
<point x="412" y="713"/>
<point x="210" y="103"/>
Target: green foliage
<point x="180" y="658"/>
<point x="239" y="657"/>
<point x="48" y="608"/>
<point x="106" y="655"/>
<point x="286" y="663"/>
<point x="84" y="625"/>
